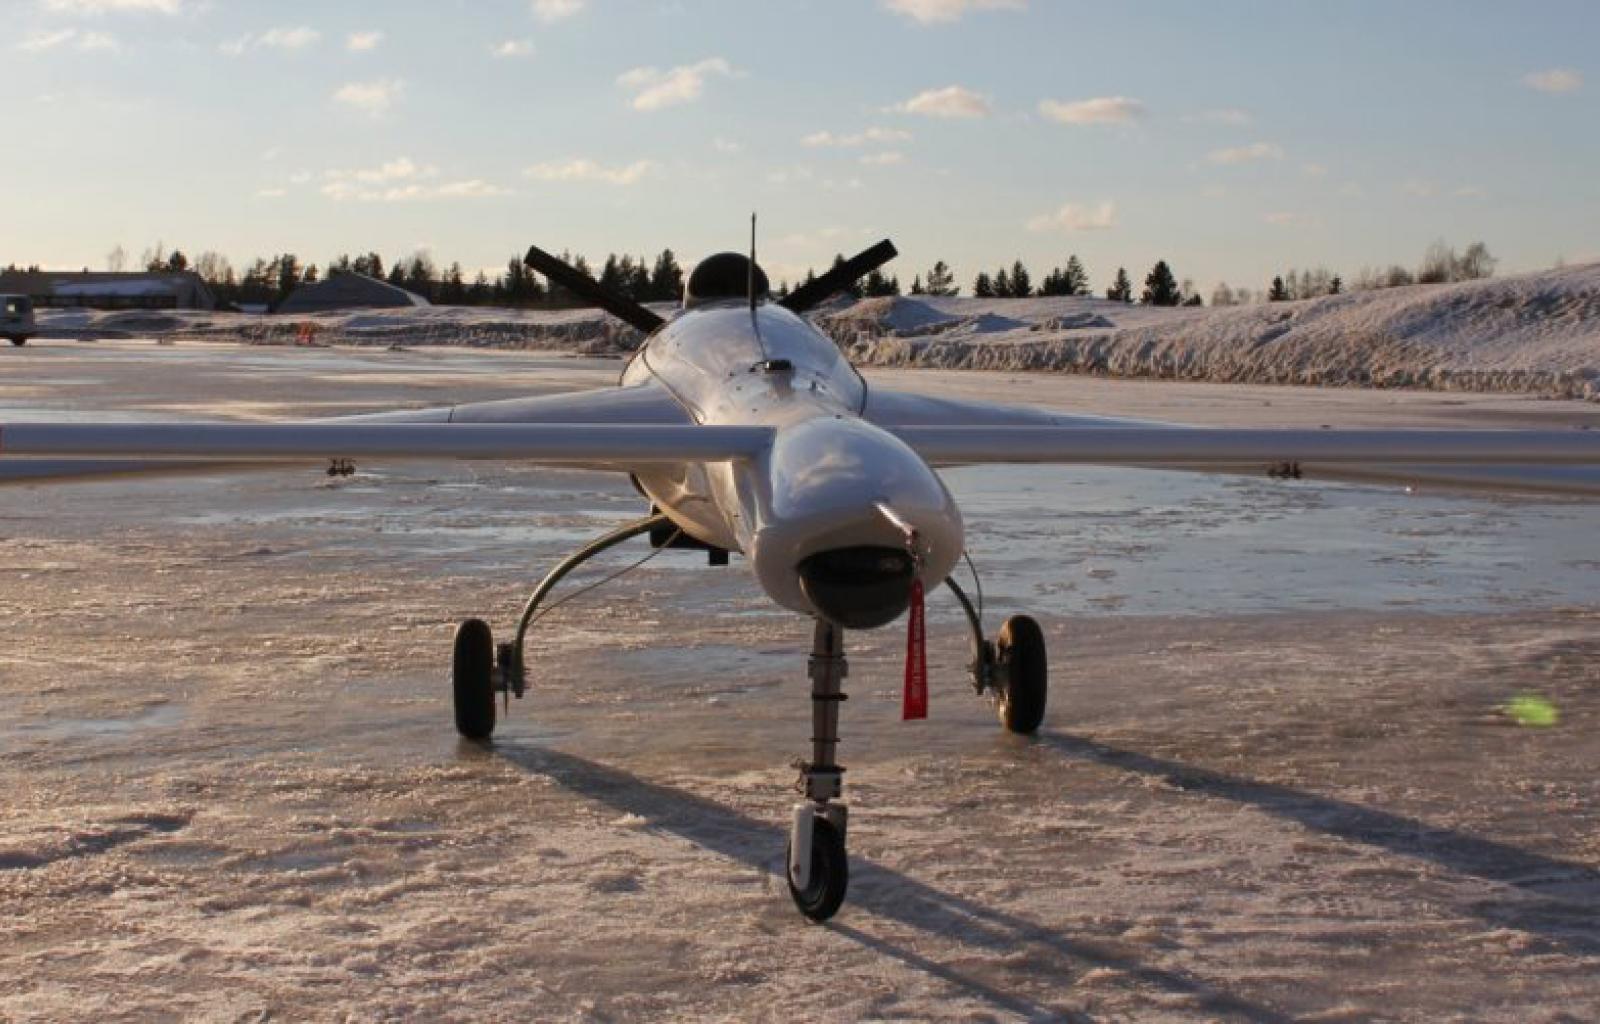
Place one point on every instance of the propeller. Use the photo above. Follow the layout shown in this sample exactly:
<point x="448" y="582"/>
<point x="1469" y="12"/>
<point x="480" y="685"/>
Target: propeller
<point x="840" y="277"/>
<point x="579" y="283"/>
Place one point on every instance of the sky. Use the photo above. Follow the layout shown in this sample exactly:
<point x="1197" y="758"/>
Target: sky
<point x="1234" y="138"/>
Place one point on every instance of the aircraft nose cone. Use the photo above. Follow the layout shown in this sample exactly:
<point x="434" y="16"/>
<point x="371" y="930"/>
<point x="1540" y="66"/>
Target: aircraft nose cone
<point x="835" y="539"/>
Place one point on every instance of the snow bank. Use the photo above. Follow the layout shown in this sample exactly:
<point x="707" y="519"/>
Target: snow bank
<point x="1535" y="334"/>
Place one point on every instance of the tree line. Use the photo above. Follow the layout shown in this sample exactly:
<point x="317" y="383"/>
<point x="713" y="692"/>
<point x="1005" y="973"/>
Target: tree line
<point x="268" y="280"/>
<point x="1441" y="264"/>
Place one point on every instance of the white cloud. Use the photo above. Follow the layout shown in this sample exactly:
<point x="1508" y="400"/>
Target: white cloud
<point x="654" y="89"/>
<point x="928" y="12"/>
<point x="1230" y="116"/>
<point x="951" y="101"/>
<point x="475" y="188"/>
<point x="1077" y="217"/>
<point x="556" y="10"/>
<point x="373" y="98"/>
<point x="403" y="180"/>
<point x="884" y="159"/>
<point x="871" y="135"/>
<point x="513" y="48"/>
<point x="1286" y="219"/>
<point x="1555" y="81"/>
<point x="297" y="38"/>
<point x="1246" y="154"/>
<point x="91" y="8"/>
<point x="38" y="42"/>
<point x="271" y="193"/>
<point x="362" y="42"/>
<point x="588" y="170"/>
<point x="1100" y="110"/>
<point x="287" y="39"/>
<point x="399" y="169"/>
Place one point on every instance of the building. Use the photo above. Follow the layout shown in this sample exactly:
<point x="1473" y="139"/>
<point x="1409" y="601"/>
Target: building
<point x="70" y="289"/>
<point x="346" y="289"/>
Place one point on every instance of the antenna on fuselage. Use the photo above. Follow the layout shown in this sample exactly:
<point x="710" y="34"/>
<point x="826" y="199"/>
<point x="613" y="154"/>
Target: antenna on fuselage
<point x="752" y="262"/>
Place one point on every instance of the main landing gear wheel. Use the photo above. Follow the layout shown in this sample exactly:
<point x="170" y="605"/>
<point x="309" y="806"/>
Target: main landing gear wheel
<point x="830" y="873"/>
<point x="19" y="342"/>
<point x="1024" y="675"/>
<point x="472" y="677"/>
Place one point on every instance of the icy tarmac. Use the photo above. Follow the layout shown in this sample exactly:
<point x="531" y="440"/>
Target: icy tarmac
<point x="1277" y="780"/>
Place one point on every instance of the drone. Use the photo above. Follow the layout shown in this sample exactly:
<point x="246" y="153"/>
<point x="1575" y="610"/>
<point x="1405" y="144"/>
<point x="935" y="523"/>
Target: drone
<point x="747" y="431"/>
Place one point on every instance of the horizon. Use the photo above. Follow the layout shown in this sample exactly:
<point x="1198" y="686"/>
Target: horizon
<point x="954" y="127"/>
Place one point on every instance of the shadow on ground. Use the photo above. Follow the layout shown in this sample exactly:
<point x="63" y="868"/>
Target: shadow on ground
<point x="880" y="891"/>
<point x="1552" y="899"/>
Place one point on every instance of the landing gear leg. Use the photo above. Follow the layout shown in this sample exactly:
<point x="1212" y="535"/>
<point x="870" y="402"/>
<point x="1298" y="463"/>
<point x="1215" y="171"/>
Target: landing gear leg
<point x="482" y="669"/>
<point x="1014" y="668"/>
<point x="819" y="872"/>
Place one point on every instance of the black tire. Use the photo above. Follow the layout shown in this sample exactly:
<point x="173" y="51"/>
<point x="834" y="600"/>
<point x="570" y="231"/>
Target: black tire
<point x="472" y="678"/>
<point x="19" y="342"/>
<point x="830" y="873"/>
<point x="1026" y="673"/>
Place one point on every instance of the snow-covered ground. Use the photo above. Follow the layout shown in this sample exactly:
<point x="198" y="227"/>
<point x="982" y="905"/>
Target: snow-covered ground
<point x="1532" y="334"/>
<point x="1277" y="780"/>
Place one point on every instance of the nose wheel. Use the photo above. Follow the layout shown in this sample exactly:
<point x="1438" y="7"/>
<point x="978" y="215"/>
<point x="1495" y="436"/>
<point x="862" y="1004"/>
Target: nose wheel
<point x="819" y="892"/>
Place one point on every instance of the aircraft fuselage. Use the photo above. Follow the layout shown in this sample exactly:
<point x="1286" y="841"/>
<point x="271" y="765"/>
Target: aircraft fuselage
<point x="831" y="483"/>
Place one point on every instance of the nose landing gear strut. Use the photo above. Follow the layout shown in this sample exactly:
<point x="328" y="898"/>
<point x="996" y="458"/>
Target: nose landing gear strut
<point x="819" y="871"/>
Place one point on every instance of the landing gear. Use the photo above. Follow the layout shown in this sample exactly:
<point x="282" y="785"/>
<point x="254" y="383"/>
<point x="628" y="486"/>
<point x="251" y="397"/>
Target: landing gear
<point x="1014" y="667"/>
<point x="472" y="679"/>
<point x="480" y="671"/>
<point x="818" y="870"/>
<point x="1024" y="675"/>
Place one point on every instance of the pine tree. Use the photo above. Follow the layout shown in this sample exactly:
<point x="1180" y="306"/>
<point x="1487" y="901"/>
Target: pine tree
<point x="1336" y="286"/>
<point x="1161" y="287"/>
<point x="941" y="282"/>
<point x="453" y="291"/>
<point x="1021" y="281"/>
<point x="1077" y="278"/>
<point x="1279" y="292"/>
<point x="666" y="278"/>
<point x="982" y="286"/>
<point x="877" y="285"/>
<point x="611" y="274"/>
<point x="1122" y="289"/>
<point x="1002" y="284"/>
<point x="916" y="286"/>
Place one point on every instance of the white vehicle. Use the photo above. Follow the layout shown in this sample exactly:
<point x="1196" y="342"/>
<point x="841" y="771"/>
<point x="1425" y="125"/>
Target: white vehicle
<point x="748" y="432"/>
<point x="16" y="319"/>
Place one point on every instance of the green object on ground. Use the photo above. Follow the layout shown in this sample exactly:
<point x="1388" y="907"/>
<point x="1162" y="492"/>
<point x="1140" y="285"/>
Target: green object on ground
<point x="1532" y="710"/>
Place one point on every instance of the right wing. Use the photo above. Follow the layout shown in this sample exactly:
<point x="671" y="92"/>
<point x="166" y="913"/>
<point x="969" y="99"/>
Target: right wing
<point x="645" y="404"/>
<point x="622" y="447"/>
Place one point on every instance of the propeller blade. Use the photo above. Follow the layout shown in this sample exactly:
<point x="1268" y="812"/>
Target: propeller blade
<point x="840" y="277"/>
<point x="619" y="306"/>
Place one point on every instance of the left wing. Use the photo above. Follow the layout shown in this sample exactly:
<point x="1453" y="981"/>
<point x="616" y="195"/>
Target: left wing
<point x="1167" y="446"/>
<point x="599" y="446"/>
